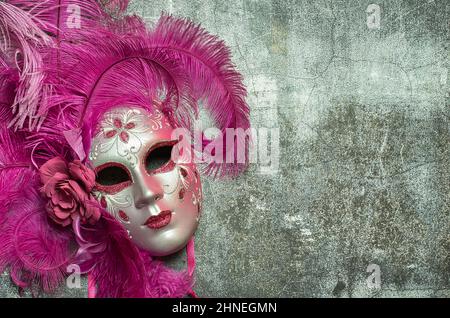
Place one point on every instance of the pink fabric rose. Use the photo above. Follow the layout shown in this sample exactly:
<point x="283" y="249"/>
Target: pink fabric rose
<point x="68" y="187"/>
<point x="82" y="173"/>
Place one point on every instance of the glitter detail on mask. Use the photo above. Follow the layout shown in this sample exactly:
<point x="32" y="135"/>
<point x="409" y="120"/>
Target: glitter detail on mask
<point x="181" y="194"/>
<point x="113" y="188"/>
<point x="113" y="203"/>
<point x="103" y="202"/>
<point x="123" y="132"/>
<point x="124" y="216"/>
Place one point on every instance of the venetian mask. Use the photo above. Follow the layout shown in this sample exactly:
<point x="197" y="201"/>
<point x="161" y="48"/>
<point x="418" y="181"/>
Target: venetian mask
<point x="156" y="199"/>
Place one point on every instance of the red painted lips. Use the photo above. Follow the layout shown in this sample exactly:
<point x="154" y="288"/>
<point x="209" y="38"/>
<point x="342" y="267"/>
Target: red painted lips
<point x="159" y="221"/>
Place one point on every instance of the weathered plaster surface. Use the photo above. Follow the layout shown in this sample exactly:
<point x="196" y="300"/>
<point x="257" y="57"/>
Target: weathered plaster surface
<point x="364" y="165"/>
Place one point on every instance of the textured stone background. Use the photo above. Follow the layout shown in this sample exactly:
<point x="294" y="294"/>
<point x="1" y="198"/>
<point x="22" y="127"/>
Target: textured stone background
<point x="364" y="151"/>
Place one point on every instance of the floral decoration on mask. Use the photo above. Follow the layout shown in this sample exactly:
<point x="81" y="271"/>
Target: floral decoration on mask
<point x="123" y="131"/>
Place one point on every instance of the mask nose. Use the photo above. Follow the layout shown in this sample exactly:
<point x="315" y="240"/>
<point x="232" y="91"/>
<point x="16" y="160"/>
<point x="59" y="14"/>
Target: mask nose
<point x="146" y="192"/>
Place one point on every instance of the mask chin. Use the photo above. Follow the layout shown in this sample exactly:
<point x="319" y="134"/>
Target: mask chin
<point x="157" y="200"/>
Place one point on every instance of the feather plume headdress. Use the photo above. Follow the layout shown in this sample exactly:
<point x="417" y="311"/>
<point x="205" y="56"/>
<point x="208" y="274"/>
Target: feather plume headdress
<point x="63" y="64"/>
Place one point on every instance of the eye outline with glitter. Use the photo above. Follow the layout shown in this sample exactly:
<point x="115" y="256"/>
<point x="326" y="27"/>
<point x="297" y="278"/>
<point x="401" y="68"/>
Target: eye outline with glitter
<point x="115" y="188"/>
<point x="167" y="166"/>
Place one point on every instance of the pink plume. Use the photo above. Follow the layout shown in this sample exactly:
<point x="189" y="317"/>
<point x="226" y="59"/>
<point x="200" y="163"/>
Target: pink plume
<point x="122" y="270"/>
<point x="9" y="79"/>
<point x="178" y="62"/>
<point x="20" y="40"/>
<point x="216" y="82"/>
<point x="64" y="18"/>
<point x="31" y="248"/>
<point x="104" y="71"/>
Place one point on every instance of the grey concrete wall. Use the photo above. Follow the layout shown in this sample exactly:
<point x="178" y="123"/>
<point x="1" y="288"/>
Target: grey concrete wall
<point x="364" y="170"/>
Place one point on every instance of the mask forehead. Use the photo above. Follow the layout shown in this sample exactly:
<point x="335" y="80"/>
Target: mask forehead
<point x="123" y="131"/>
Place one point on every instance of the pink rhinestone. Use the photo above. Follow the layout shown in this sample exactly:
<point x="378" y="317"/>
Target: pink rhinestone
<point x="103" y="202"/>
<point x="111" y="134"/>
<point x="123" y="216"/>
<point x="124" y="136"/>
<point x="117" y="123"/>
<point x="181" y="194"/>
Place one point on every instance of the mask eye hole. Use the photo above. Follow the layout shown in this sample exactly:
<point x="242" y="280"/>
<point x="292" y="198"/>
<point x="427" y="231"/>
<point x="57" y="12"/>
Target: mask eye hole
<point x="112" y="178"/>
<point x="159" y="157"/>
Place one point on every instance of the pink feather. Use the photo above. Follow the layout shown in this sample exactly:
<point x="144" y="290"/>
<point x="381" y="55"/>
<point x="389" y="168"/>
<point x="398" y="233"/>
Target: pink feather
<point x="122" y="270"/>
<point x="31" y="248"/>
<point x="216" y="82"/>
<point x="20" y="40"/>
<point x="178" y="60"/>
<point x="63" y="19"/>
<point x="34" y="251"/>
<point x="54" y="21"/>
<point x="9" y="79"/>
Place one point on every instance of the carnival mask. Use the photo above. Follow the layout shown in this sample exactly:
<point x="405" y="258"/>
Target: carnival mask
<point x="157" y="200"/>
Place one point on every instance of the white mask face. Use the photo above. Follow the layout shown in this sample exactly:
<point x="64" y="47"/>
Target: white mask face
<point x="157" y="200"/>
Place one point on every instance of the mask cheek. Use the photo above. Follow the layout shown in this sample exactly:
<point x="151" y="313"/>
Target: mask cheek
<point x="118" y="205"/>
<point x="182" y="194"/>
<point x="121" y="206"/>
<point x="189" y="194"/>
